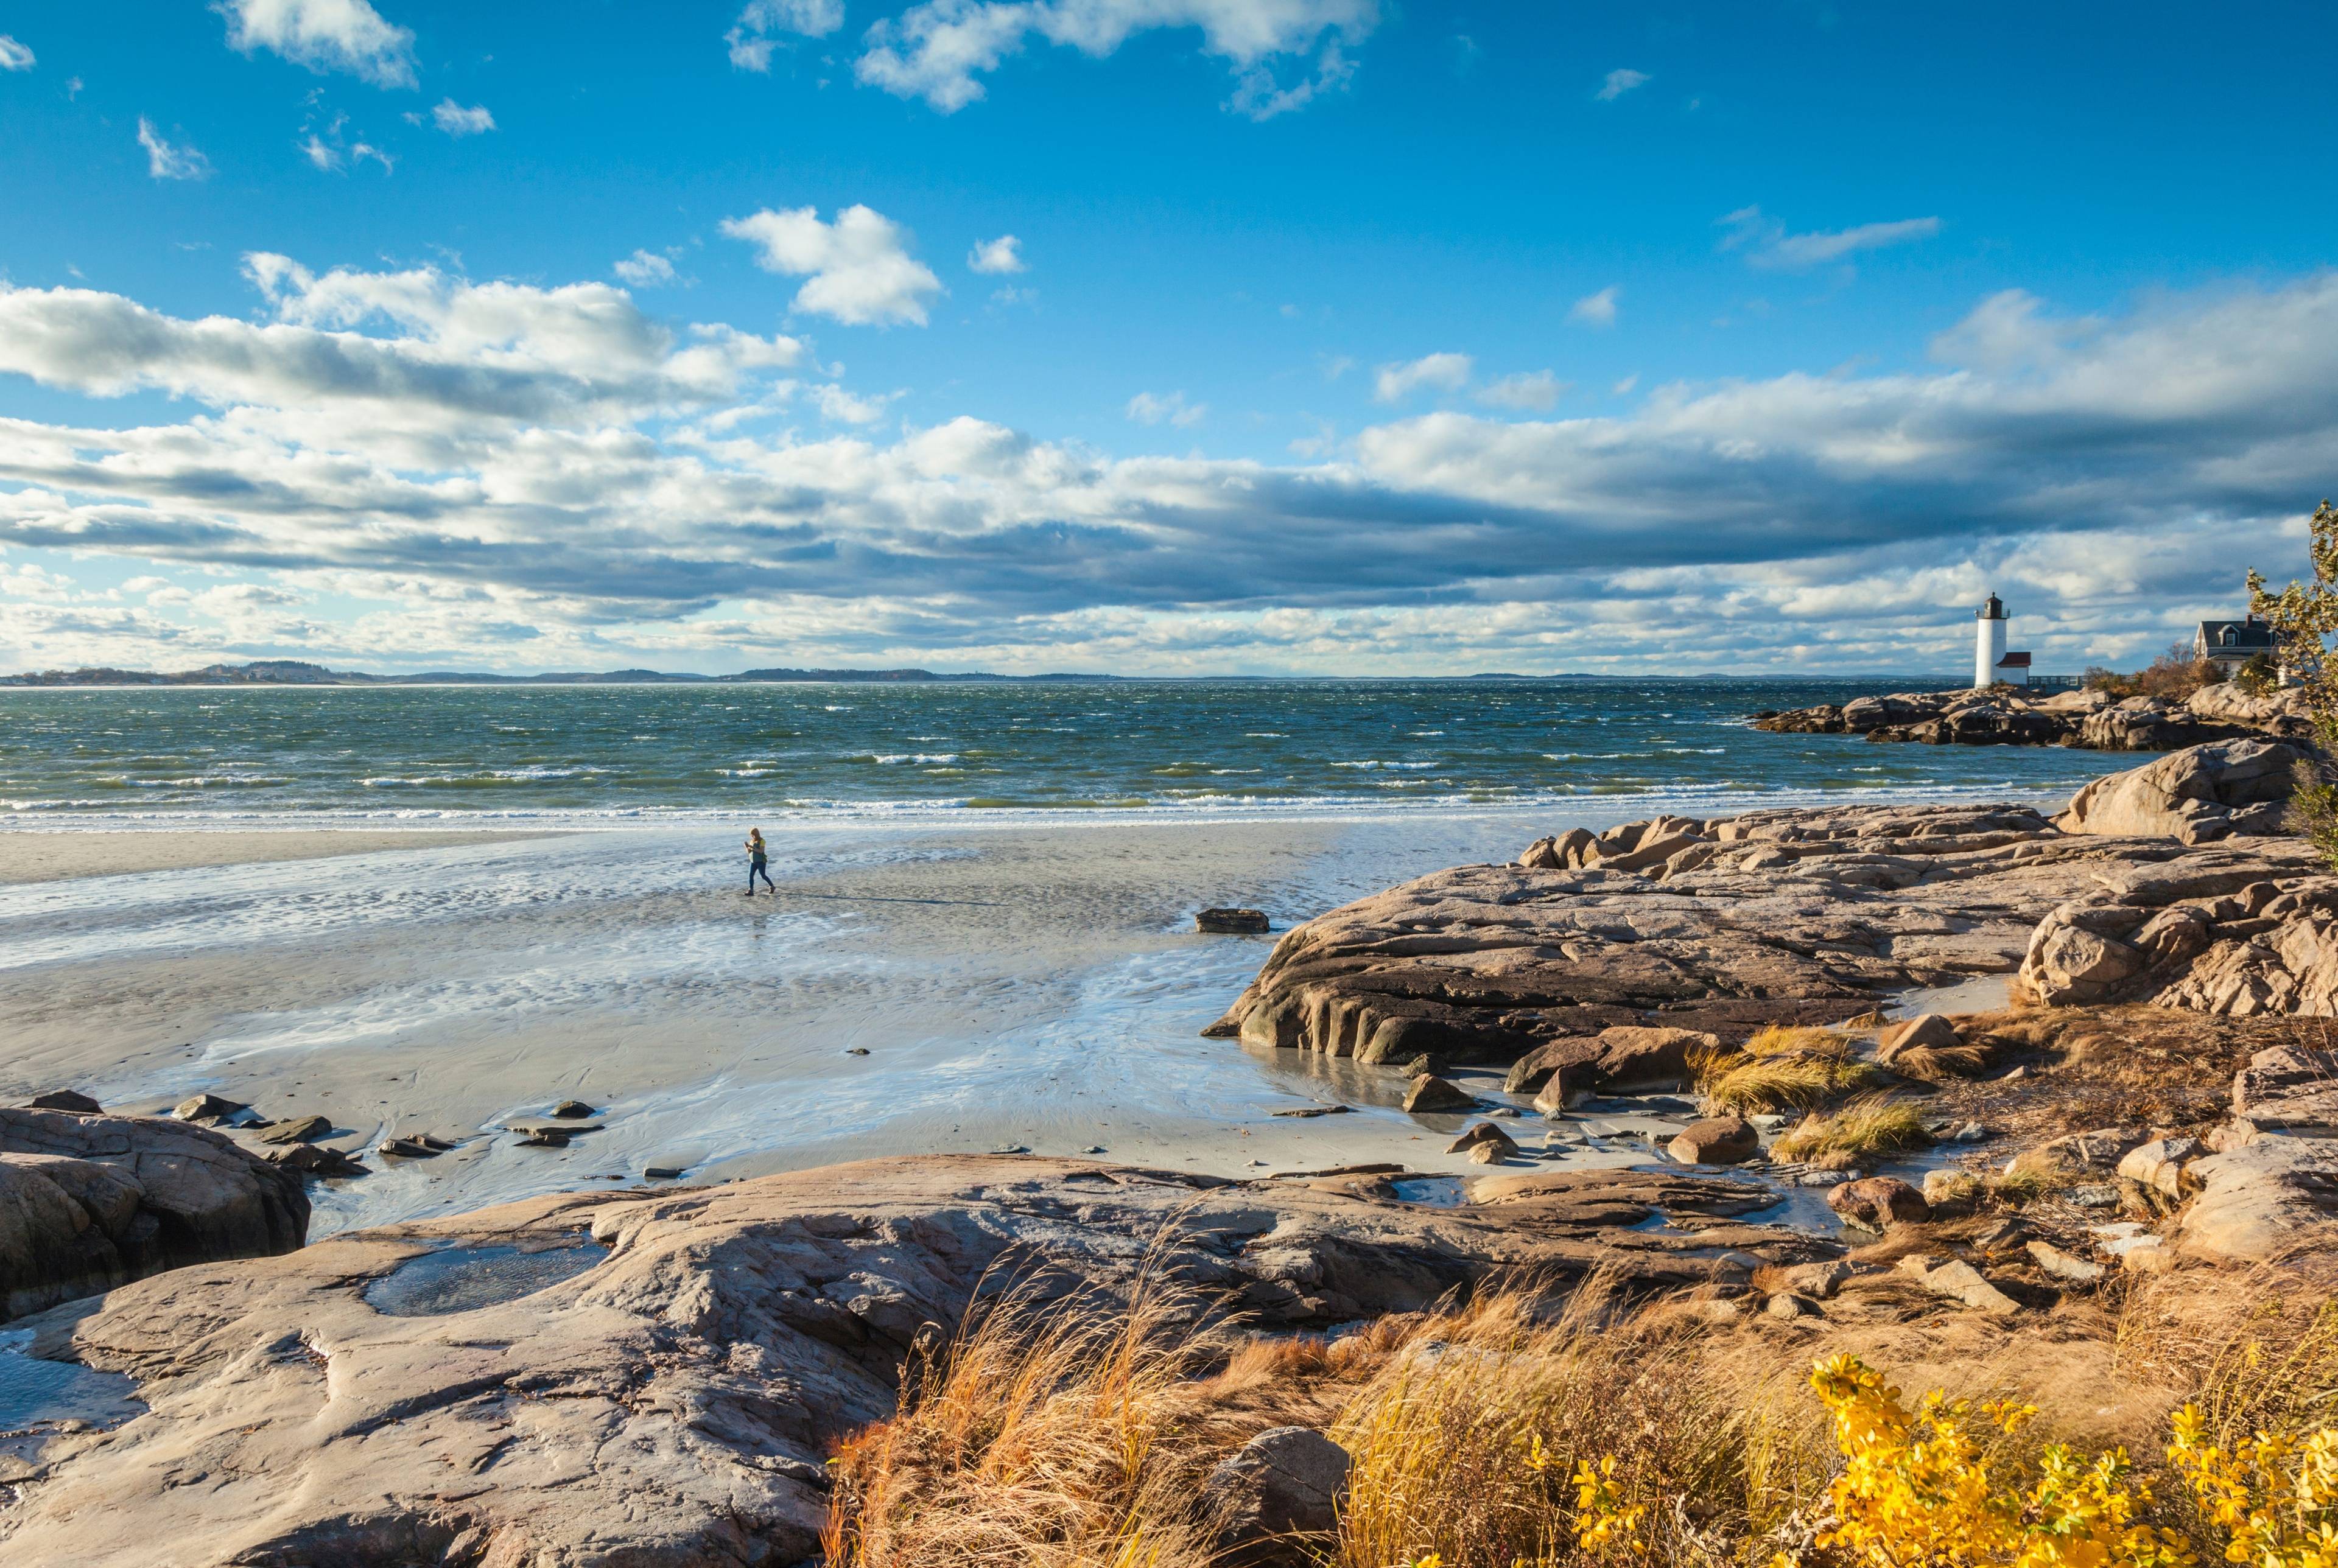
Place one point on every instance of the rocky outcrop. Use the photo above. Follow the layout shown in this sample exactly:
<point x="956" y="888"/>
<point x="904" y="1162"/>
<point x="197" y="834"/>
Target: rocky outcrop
<point x="2199" y="795"/>
<point x="1781" y="916"/>
<point x="2238" y="928"/>
<point x="2006" y="716"/>
<point x="672" y="1404"/>
<point x="88" y="1202"/>
<point x="1281" y="1488"/>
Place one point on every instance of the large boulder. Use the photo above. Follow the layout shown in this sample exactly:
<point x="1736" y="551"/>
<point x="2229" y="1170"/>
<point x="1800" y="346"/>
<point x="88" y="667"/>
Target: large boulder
<point x="88" y="1202"/>
<point x="2197" y="795"/>
<point x="406" y="1394"/>
<point x="2258" y="1200"/>
<point x="1281" y="1489"/>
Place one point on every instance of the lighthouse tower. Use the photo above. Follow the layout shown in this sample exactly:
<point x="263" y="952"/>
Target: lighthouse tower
<point x="1989" y="641"/>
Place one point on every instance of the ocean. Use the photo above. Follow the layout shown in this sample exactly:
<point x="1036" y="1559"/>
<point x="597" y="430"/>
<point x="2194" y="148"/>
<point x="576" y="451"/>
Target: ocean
<point x="818" y="749"/>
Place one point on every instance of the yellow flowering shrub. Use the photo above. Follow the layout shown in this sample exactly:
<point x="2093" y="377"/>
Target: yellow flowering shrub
<point x="2275" y="1499"/>
<point x="1934" y="1487"/>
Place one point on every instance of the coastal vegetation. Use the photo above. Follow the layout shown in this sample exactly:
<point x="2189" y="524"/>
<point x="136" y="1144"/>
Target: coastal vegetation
<point x="2175" y="675"/>
<point x="2175" y="1420"/>
<point x="2303" y="616"/>
<point x="1781" y="1068"/>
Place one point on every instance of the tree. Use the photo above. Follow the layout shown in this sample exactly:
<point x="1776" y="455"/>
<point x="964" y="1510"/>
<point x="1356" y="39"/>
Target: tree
<point x="2304" y="616"/>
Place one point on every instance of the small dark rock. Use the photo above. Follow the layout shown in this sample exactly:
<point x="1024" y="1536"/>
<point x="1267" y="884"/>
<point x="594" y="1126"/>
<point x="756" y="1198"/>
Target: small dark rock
<point x="1717" y="1141"/>
<point x="208" y="1108"/>
<point x="66" y="1100"/>
<point x="1313" y="1111"/>
<point x="1432" y="1093"/>
<point x="856" y="1049"/>
<point x="311" y="1159"/>
<point x="421" y="1148"/>
<point x="573" y="1111"/>
<point x="662" y="1172"/>
<point x="1231" y="922"/>
<point x="1877" y="1203"/>
<point x="544" y="1137"/>
<point x="294" y="1130"/>
<point x="1485" y="1135"/>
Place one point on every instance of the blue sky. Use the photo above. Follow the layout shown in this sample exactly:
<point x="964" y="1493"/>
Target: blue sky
<point x="1156" y="336"/>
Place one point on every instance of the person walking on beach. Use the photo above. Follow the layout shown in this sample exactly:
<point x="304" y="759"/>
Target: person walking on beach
<point x="755" y="863"/>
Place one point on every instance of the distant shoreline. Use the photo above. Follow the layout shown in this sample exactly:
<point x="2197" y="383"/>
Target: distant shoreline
<point x="291" y="672"/>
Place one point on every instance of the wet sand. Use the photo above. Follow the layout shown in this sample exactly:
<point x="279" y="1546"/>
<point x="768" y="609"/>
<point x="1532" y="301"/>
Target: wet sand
<point x="1011" y="986"/>
<point x="43" y="855"/>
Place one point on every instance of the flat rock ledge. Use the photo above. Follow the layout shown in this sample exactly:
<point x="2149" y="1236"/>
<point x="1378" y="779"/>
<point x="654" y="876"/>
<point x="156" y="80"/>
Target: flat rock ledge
<point x="2091" y="720"/>
<point x="672" y="1404"/>
<point x="90" y="1201"/>
<point x="1789" y="916"/>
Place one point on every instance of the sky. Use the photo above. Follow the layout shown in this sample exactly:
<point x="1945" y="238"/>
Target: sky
<point x="1156" y="337"/>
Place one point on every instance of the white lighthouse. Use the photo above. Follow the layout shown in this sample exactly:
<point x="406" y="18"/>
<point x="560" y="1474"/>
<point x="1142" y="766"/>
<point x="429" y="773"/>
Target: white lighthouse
<point x="1988" y="642"/>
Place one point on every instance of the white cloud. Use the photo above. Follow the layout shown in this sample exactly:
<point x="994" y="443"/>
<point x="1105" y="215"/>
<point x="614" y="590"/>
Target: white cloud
<point x="860" y="269"/>
<point x="1619" y="83"/>
<point x="461" y="355"/>
<point x="644" y="270"/>
<point x="459" y="121"/>
<point x="1597" y="310"/>
<point x="14" y="56"/>
<point x="1446" y="372"/>
<point x="753" y="37"/>
<point x="517" y="473"/>
<point x="1149" y="409"/>
<point x="1004" y="254"/>
<point x="839" y="406"/>
<point x="935" y="51"/>
<point x="1535" y="391"/>
<point x="325" y="35"/>
<point x="170" y="161"/>
<point x="1766" y="243"/>
<point x="320" y="155"/>
<point x="1623" y="388"/>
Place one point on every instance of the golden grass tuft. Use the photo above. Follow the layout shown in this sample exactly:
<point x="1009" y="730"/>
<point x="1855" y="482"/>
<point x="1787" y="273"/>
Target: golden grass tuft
<point x="1871" y="1127"/>
<point x="1781" y="1068"/>
<point x="1939" y="1064"/>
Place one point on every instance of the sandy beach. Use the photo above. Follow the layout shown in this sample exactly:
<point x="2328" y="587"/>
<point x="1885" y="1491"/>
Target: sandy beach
<point x="912" y="988"/>
<point x="47" y="854"/>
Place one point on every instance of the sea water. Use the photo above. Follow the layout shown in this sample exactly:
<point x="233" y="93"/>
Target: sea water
<point x="810" y="748"/>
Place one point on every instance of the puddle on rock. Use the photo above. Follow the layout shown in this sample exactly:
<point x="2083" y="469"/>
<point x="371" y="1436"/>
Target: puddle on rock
<point x="1435" y="1191"/>
<point x="1978" y="994"/>
<point x="463" y="1278"/>
<point x="34" y="1392"/>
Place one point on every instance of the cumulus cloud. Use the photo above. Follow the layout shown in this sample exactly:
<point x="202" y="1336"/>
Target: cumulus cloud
<point x="499" y="466"/>
<point x="761" y="26"/>
<point x="1151" y="408"/>
<point x="1619" y="83"/>
<point x="14" y="56"/>
<point x="935" y="51"/>
<point x="1597" y="310"/>
<point x="644" y="270"/>
<point x="459" y="121"/>
<point x="455" y="352"/>
<point x="1444" y="372"/>
<point x="1004" y="254"/>
<point x="860" y="269"/>
<point x="167" y="160"/>
<point x="1766" y="242"/>
<point x="1535" y="391"/>
<point x="349" y="36"/>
